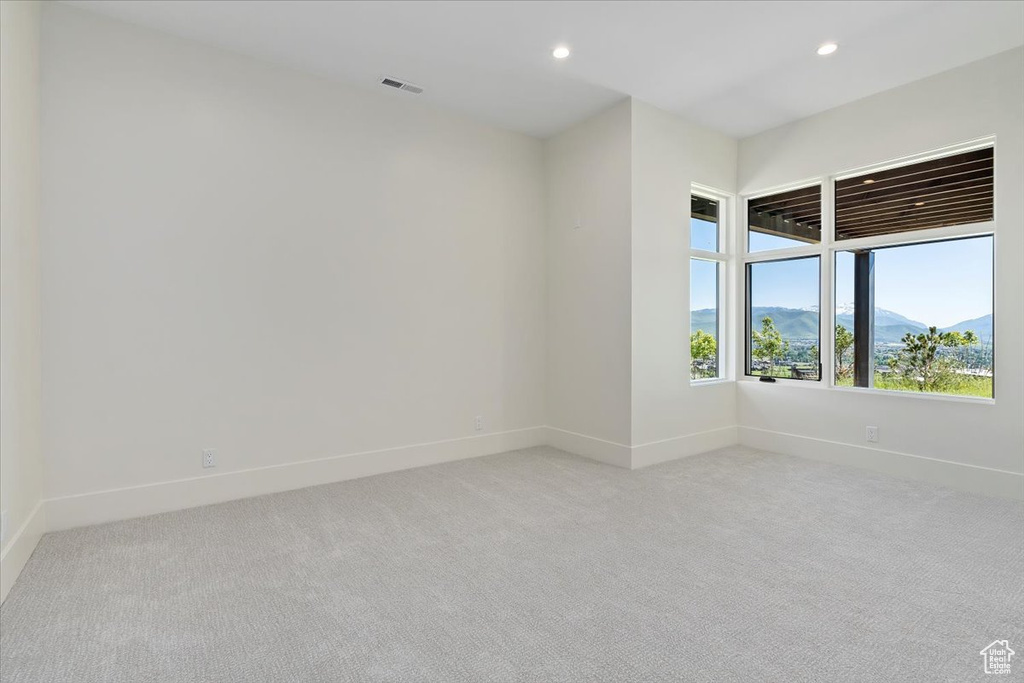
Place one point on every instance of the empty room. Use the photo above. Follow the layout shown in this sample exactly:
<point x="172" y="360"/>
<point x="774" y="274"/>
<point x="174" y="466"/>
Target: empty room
<point x="479" y="341"/>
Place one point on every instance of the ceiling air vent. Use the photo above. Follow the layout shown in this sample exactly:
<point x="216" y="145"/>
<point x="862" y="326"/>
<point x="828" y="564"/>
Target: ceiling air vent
<point x="401" y="85"/>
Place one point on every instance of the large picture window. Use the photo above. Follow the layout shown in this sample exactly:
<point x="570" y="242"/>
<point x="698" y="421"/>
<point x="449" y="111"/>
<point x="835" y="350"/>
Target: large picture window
<point x="927" y="323"/>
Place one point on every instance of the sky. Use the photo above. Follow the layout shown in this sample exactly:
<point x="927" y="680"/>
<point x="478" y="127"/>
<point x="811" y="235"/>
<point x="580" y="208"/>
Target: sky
<point x="939" y="283"/>
<point x="757" y="241"/>
<point x="794" y="283"/>
<point x="703" y="284"/>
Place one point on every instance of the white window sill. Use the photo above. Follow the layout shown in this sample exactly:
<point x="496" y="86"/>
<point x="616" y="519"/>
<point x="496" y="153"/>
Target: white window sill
<point x="710" y="381"/>
<point x="913" y="395"/>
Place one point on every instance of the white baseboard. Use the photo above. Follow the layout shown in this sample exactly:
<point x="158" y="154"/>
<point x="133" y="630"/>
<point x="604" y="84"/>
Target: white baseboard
<point x="608" y="452"/>
<point x="971" y="478"/>
<point x="138" y="501"/>
<point x="643" y="455"/>
<point x="656" y="452"/>
<point x="17" y="551"/>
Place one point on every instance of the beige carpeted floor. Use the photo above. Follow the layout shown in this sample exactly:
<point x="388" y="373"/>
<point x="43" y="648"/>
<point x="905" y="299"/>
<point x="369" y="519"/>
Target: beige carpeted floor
<point x="537" y="566"/>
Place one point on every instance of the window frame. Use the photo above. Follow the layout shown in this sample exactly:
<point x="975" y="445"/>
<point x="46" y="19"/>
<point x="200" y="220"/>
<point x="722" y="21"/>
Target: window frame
<point x="911" y="243"/>
<point x="784" y="254"/>
<point x="724" y="259"/>
<point x="828" y="247"/>
<point x="748" y="323"/>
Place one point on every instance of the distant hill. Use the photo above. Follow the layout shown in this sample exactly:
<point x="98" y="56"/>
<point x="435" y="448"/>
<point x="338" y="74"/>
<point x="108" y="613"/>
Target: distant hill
<point x="981" y="326"/>
<point x="703" y="319"/>
<point x="883" y="318"/>
<point x="889" y="327"/>
<point x="801" y="324"/>
<point x="793" y="323"/>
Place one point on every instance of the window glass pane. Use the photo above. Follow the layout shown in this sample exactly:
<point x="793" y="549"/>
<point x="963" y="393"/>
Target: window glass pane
<point x="704" y="352"/>
<point x="953" y="190"/>
<point x="785" y="219"/>
<point x="843" y="308"/>
<point x="931" y="319"/>
<point x="703" y="224"/>
<point x="782" y="327"/>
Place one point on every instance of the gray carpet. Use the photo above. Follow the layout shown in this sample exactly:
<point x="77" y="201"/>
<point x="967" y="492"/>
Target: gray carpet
<point x="537" y="566"/>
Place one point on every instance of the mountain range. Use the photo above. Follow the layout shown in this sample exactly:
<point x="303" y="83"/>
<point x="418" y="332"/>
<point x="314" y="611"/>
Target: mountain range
<point x="800" y="323"/>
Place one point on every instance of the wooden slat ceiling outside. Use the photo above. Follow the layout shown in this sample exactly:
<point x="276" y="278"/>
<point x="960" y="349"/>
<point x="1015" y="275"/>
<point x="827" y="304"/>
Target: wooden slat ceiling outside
<point x="954" y="190"/>
<point x="703" y="209"/>
<point x="795" y="214"/>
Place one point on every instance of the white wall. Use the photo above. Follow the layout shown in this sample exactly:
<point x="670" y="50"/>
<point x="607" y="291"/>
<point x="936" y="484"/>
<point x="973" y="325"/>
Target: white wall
<point x="248" y="258"/>
<point x="980" y="99"/>
<point x="21" y="464"/>
<point x="671" y="417"/>
<point x="618" y="287"/>
<point x="588" y="275"/>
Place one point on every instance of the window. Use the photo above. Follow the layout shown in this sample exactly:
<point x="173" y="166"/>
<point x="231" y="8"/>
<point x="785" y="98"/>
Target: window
<point x="785" y="219"/>
<point x="905" y="262"/>
<point x="927" y="323"/>
<point x="707" y="267"/>
<point x="704" y="319"/>
<point x="783" y="320"/>
<point x="914" y="315"/>
<point x="953" y="190"/>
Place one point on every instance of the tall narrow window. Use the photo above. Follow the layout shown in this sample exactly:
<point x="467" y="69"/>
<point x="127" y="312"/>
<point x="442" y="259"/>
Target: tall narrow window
<point x="707" y="264"/>
<point x="783" y="331"/>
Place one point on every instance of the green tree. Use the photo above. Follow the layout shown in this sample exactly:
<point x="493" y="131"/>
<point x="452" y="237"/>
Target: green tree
<point x="768" y="344"/>
<point x="970" y="339"/>
<point x="921" y="362"/>
<point x="843" y="344"/>
<point x="703" y="353"/>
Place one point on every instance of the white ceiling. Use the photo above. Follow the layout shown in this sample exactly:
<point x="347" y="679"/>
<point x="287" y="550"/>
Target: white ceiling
<point x="738" y="67"/>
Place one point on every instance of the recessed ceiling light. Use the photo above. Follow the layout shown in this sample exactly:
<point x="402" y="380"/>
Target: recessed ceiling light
<point x="868" y="181"/>
<point x="827" y="49"/>
<point x="919" y="204"/>
<point x="560" y="52"/>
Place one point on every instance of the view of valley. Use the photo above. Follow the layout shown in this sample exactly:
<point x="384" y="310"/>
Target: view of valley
<point x="963" y="368"/>
<point x="932" y="315"/>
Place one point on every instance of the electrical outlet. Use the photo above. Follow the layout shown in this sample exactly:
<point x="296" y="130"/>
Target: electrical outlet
<point x="872" y="434"/>
<point x="3" y="527"/>
<point x="209" y="457"/>
<point x="478" y="423"/>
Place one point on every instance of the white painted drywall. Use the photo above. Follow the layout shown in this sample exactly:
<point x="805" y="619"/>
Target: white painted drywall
<point x="669" y="154"/>
<point x="980" y="99"/>
<point x="588" y="277"/>
<point x="21" y="463"/>
<point x="245" y="257"/>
